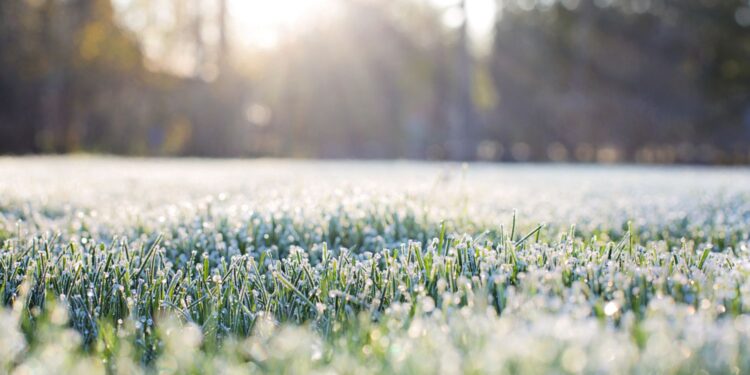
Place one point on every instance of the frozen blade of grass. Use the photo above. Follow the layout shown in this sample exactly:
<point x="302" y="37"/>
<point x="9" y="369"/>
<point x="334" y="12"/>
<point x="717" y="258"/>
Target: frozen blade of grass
<point x="441" y="238"/>
<point x="704" y="256"/>
<point x="294" y="289"/>
<point x="527" y="236"/>
<point x="148" y="255"/>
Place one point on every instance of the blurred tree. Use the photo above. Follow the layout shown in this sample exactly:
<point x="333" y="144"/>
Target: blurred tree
<point x="60" y="56"/>
<point x="464" y="134"/>
<point x="656" y="80"/>
<point x="620" y="74"/>
<point x="72" y="79"/>
<point x="357" y="87"/>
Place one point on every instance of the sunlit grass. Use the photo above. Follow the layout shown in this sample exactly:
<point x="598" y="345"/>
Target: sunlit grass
<point x="199" y="267"/>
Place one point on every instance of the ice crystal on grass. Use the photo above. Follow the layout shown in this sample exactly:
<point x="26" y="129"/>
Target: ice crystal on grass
<point x="213" y="266"/>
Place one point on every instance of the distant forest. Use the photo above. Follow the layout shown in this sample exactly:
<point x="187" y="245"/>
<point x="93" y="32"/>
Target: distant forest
<point x="663" y="81"/>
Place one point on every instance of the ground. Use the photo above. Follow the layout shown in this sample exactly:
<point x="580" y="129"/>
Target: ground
<point x="193" y="266"/>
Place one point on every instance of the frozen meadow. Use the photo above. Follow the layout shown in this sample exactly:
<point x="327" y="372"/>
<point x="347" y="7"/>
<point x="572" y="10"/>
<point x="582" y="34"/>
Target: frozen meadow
<point x="227" y="266"/>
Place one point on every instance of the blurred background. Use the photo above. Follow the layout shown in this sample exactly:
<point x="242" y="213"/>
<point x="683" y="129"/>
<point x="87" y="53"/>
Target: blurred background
<point x="651" y="81"/>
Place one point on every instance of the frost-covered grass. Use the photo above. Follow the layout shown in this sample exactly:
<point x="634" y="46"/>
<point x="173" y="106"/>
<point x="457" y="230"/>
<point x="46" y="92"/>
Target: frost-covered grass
<point x="160" y="266"/>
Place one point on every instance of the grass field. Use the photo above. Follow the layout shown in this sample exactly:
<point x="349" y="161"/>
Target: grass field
<point x="196" y="266"/>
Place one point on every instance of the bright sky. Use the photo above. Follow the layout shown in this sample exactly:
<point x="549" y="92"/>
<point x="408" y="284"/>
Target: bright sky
<point x="260" y="22"/>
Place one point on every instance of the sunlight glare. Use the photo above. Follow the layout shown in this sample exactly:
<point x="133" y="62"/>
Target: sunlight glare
<point x="262" y="23"/>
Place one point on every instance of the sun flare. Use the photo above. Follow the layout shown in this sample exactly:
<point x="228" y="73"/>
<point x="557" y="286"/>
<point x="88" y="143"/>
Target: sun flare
<point x="262" y="23"/>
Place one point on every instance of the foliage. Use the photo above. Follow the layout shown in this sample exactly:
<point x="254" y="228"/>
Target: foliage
<point x="659" y="83"/>
<point x="570" y="80"/>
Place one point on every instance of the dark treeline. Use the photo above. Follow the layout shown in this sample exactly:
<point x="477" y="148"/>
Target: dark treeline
<point x="570" y="80"/>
